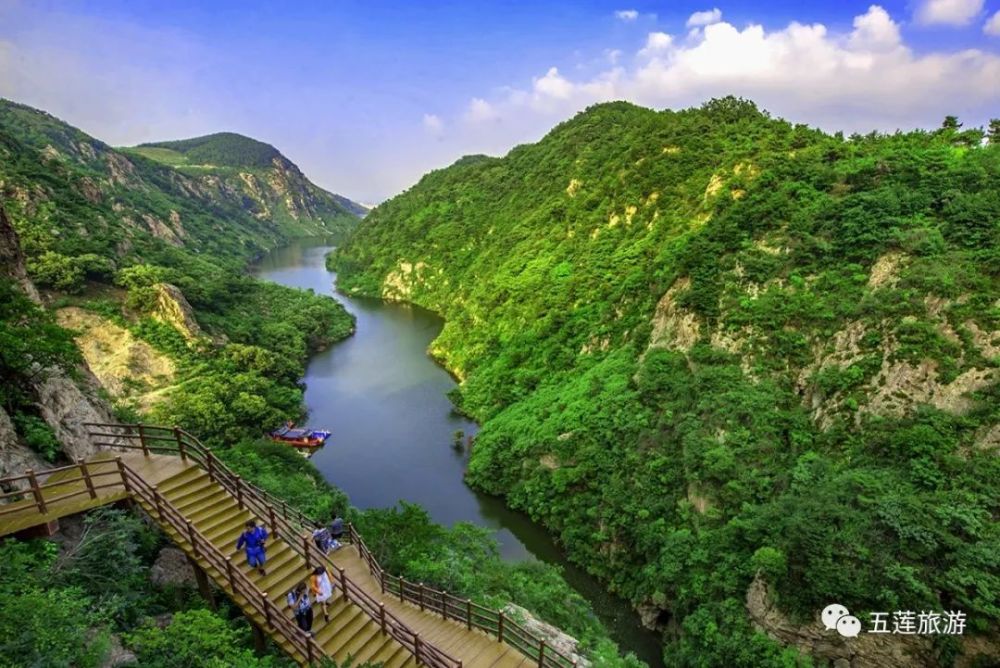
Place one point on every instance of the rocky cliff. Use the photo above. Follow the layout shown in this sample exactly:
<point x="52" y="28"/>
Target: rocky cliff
<point x="65" y="398"/>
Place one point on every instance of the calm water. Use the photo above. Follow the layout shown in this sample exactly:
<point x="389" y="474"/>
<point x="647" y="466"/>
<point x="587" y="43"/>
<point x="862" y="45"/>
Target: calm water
<point x="393" y="429"/>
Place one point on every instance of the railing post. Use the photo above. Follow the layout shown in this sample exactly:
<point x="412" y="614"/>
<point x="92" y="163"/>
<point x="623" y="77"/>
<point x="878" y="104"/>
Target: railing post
<point x="444" y="604"/>
<point x="121" y="470"/>
<point x="180" y="443"/>
<point x="420" y="594"/>
<point x="194" y="545"/>
<point x="274" y="521"/>
<point x="343" y="581"/>
<point x="402" y="587"/>
<point x="86" y="478"/>
<point x="36" y="490"/>
<point x="541" y="653"/>
<point x="309" y="650"/>
<point x="211" y="465"/>
<point x="284" y="509"/>
<point x="500" y="628"/>
<point x="157" y="502"/>
<point x="381" y="580"/>
<point x="267" y="610"/>
<point x="229" y="572"/>
<point x="142" y="440"/>
<point x="305" y="549"/>
<point x="416" y="647"/>
<point x="381" y="616"/>
<point x="239" y="492"/>
<point x="468" y="612"/>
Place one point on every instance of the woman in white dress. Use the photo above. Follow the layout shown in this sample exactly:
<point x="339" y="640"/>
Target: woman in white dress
<point x="322" y="589"/>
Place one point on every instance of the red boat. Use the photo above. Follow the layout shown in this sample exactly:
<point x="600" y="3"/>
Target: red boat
<point x="300" y="438"/>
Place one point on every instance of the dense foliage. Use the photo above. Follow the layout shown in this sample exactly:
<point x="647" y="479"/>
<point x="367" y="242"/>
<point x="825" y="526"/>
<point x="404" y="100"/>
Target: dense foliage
<point x="708" y="346"/>
<point x="222" y="148"/>
<point x="231" y="385"/>
<point x="464" y="561"/>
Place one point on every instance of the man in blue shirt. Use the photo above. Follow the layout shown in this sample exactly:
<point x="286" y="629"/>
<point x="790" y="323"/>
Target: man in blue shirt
<point x="253" y="538"/>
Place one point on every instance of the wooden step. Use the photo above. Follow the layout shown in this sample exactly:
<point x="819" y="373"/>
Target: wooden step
<point x="201" y="498"/>
<point x="366" y="642"/>
<point x="226" y="528"/>
<point x="188" y="478"/>
<point x="206" y="510"/>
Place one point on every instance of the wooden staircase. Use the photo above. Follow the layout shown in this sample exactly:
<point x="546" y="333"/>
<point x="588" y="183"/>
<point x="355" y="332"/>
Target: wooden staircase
<point x="203" y="506"/>
<point x="216" y="515"/>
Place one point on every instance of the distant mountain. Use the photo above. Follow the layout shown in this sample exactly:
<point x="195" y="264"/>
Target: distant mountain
<point x="71" y="194"/>
<point x="273" y="186"/>
<point x="740" y="367"/>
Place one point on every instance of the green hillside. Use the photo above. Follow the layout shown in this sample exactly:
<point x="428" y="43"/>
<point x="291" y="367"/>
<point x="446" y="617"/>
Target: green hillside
<point x="716" y="352"/>
<point x="270" y="184"/>
<point x="142" y="270"/>
<point x="223" y="148"/>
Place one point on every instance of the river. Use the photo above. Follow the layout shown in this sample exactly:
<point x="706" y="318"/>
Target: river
<point x="385" y="401"/>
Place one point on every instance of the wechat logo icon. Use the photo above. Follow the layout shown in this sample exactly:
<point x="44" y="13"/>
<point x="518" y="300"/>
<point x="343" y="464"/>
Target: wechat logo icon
<point x="836" y="616"/>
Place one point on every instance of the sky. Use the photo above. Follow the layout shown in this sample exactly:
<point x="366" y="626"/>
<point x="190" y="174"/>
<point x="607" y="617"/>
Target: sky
<point x="368" y="96"/>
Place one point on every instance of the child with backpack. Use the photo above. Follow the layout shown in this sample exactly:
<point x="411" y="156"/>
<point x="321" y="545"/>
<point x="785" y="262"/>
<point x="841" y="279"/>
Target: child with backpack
<point x="301" y="607"/>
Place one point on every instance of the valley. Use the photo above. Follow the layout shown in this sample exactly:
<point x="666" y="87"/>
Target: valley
<point x="733" y="367"/>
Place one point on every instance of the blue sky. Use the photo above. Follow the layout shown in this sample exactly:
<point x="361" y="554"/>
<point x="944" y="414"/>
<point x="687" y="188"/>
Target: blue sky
<point x="367" y="96"/>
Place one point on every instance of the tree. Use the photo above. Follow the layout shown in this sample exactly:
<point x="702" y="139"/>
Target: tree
<point x="193" y="639"/>
<point x="993" y="133"/>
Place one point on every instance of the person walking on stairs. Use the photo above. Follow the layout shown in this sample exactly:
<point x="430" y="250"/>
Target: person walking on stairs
<point x="253" y="539"/>
<point x="321" y="589"/>
<point x="301" y="607"/>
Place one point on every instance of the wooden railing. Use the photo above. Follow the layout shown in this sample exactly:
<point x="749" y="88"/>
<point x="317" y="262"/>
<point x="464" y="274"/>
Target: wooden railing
<point x="38" y="483"/>
<point x="462" y="610"/>
<point x="285" y="522"/>
<point x="205" y="552"/>
<point x="296" y="528"/>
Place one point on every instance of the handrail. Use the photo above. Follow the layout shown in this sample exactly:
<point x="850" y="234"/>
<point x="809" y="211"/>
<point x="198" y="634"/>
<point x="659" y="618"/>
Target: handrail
<point x="493" y="622"/>
<point x="207" y="552"/>
<point x="296" y="528"/>
<point x="290" y="524"/>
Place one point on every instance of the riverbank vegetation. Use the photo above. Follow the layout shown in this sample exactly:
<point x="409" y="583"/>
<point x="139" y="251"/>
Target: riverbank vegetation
<point x="162" y="256"/>
<point x="710" y="346"/>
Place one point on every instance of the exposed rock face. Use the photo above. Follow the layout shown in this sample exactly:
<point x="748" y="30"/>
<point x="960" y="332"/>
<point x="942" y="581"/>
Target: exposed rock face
<point x="118" y="655"/>
<point x="15" y="457"/>
<point x="674" y="327"/>
<point x="398" y="285"/>
<point x="866" y="650"/>
<point x="172" y="307"/>
<point x="62" y="403"/>
<point x="127" y="367"/>
<point x="813" y="639"/>
<point x="11" y="257"/>
<point x="172" y="568"/>
<point x="902" y="384"/>
<point x="564" y="644"/>
<point x="885" y="271"/>
<point x="66" y="407"/>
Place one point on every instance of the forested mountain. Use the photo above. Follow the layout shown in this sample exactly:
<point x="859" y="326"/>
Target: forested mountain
<point x="272" y="186"/>
<point x="731" y="362"/>
<point x="144" y="311"/>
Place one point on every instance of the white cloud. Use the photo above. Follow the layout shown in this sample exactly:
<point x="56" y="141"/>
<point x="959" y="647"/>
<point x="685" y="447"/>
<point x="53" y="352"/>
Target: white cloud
<point x="992" y="25"/>
<point x="864" y="79"/>
<point x="613" y="55"/>
<point x="433" y="125"/>
<point x="626" y="15"/>
<point x="948" y="12"/>
<point x="874" y="30"/>
<point x="480" y="111"/>
<point x="656" y="43"/>
<point x="704" y="18"/>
